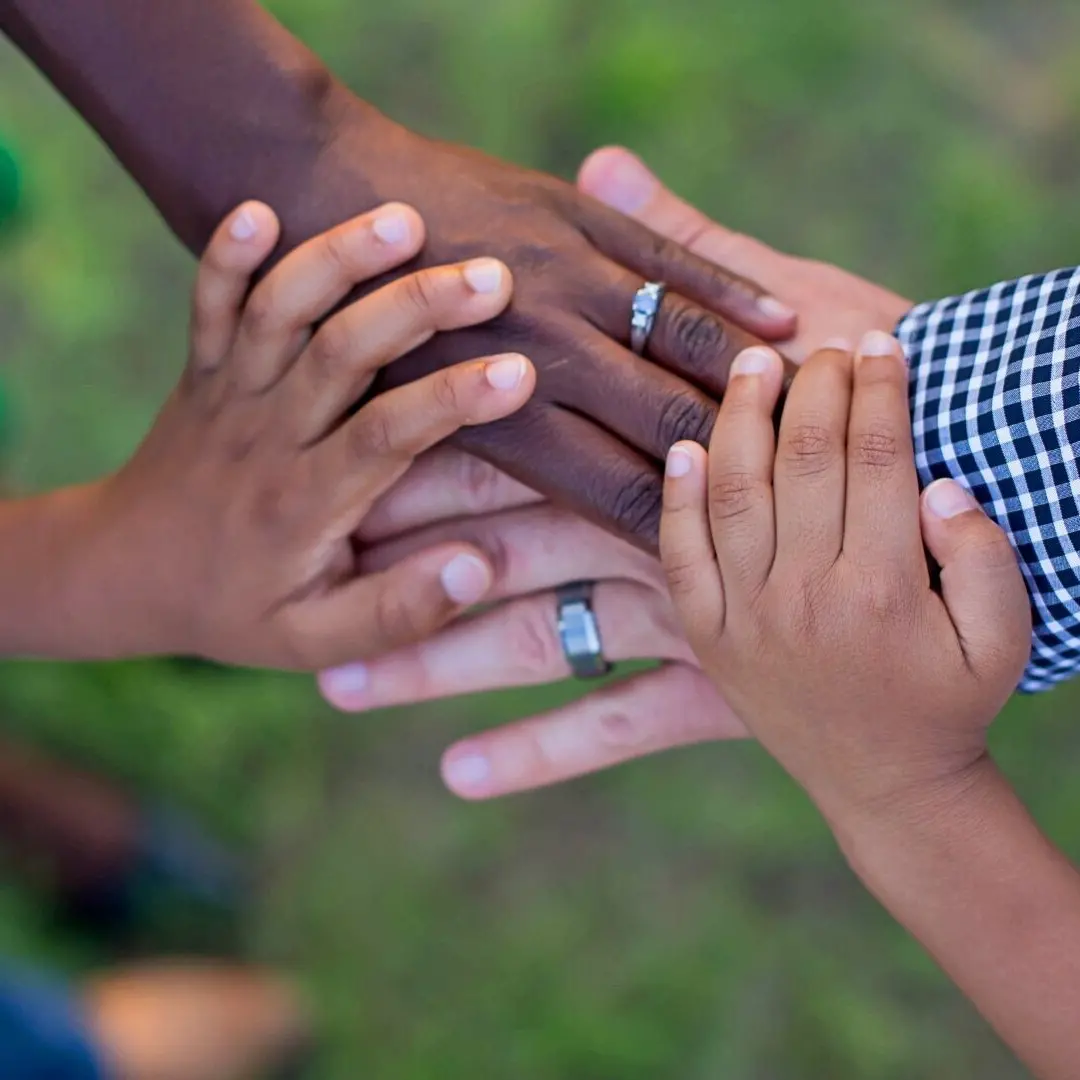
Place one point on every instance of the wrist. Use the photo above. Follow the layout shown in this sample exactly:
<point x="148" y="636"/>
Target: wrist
<point x="949" y="811"/>
<point x="43" y="542"/>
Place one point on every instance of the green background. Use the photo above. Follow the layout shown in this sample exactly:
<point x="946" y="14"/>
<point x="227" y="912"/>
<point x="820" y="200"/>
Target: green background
<point x="686" y="916"/>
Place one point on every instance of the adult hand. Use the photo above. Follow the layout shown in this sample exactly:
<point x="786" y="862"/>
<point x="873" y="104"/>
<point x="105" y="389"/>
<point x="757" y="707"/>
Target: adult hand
<point x="646" y="714"/>
<point x="602" y="418"/>
<point x="533" y="547"/>
<point x="241" y="110"/>
<point x="830" y="302"/>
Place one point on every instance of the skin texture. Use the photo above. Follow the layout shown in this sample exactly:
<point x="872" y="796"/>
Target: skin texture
<point x="229" y="534"/>
<point x="796" y="563"/>
<point x="535" y="547"/>
<point x="210" y="102"/>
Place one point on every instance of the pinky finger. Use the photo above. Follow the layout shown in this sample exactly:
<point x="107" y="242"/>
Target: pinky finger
<point x="675" y="705"/>
<point x="686" y="546"/>
<point x="382" y="612"/>
<point x="239" y="246"/>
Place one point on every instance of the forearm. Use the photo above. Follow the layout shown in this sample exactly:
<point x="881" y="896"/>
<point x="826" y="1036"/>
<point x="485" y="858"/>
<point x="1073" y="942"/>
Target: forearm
<point x="205" y="102"/>
<point x="974" y="879"/>
<point x="46" y="586"/>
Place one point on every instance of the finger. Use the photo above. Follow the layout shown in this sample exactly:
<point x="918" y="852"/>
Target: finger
<point x="615" y="394"/>
<point x="810" y="466"/>
<point x="686" y="547"/>
<point x="529" y="549"/>
<point x="740" y="483"/>
<point x="364" y="457"/>
<point x="981" y="583"/>
<point x="239" y="246"/>
<point x="347" y="351"/>
<point x="514" y="644"/>
<point x="601" y="477"/>
<point x="656" y="258"/>
<point x="687" y="338"/>
<point x="674" y="706"/>
<point x="382" y="612"/>
<point x="312" y="280"/>
<point x="881" y="525"/>
<point x="619" y="179"/>
<point x="441" y="485"/>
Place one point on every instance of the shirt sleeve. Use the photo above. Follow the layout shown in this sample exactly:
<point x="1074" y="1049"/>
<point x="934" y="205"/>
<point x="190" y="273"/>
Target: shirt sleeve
<point x="995" y="394"/>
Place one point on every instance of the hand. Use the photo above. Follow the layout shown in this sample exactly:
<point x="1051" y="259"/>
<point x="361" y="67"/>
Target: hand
<point x="229" y="534"/>
<point x="602" y="419"/>
<point x="829" y="301"/>
<point x="796" y="563"/>
<point x="533" y="547"/>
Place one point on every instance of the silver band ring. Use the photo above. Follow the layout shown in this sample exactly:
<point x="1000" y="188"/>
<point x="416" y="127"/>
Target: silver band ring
<point x="643" y="314"/>
<point x="579" y="632"/>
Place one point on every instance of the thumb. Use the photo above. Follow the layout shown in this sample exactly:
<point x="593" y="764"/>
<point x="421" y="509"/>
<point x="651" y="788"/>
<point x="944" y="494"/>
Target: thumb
<point x="981" y="582"/>
<point x="621" y="180"/>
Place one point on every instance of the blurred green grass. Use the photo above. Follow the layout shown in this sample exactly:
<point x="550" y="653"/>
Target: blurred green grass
<point x="686" y="916"/>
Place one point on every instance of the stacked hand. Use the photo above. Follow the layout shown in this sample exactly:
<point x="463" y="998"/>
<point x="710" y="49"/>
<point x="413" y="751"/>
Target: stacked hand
<point x="596" y="431"/>
<point x="230" y="533"/>
<point x="538" y="547"/>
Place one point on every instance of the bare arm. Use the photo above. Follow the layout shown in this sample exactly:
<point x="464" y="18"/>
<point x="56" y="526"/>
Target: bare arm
<point x="995" y="903"/>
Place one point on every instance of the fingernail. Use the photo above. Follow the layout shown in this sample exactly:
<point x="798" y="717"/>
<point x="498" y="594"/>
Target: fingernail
<point x="344" y="682"/>
<point x="772" y="308"/>
<point x="837" y="344"/>
<point x="468" y="771"/>
<point x="754" y="361"/>
<point x="244" y="226"/>
<point x="878" y="343"/>
<point x="391" y="227"/>
<point x="679" y="462"/>
<point x="506" y="373"/>
<point x="628" y="185"/>
<point x="466" y="579"/>
<point x="947" y="499"/>
<point x="484" y="275"/>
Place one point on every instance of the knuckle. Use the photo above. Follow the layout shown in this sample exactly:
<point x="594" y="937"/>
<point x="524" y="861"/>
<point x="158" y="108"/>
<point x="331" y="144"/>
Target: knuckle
<point x="875" y="450"/>
<point x="534" y="641"/>
<point x="372" y="433"/>
<point x="274" y="507"/>
<point x="808" y="449"/>
<point x="683" y="572"/>
<point x="396" y="619"/>
<point x="447" y="394"/>
<point x="733" y="495"/>
<point x="685" y="415"/>
<point x="699" y="335"/>
<point x="420" y="294"/>
<point x="480" y="482"/>
<point x="262" y="315"/>
<point x="987" y="546"/>
<point x="337" y="254"/>
<point x="328" y="353"/>
<point x="637" y="505"/>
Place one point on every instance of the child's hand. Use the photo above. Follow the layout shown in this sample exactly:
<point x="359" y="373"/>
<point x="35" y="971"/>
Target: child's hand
<point x="228" y="534"/>
<point x="798" y="568"/>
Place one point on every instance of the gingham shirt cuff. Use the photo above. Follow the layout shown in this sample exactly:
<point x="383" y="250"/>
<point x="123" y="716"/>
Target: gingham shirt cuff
<point x="995" y="395"/>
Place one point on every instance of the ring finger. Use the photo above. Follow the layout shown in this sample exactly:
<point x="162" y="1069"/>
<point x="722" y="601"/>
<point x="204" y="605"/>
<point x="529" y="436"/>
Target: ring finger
<point x="685" y="337"/>
<point x="516" y="644"/>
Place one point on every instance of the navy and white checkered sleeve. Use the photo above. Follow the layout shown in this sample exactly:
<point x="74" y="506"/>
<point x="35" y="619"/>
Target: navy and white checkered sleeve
<point x="995" y="393"/>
